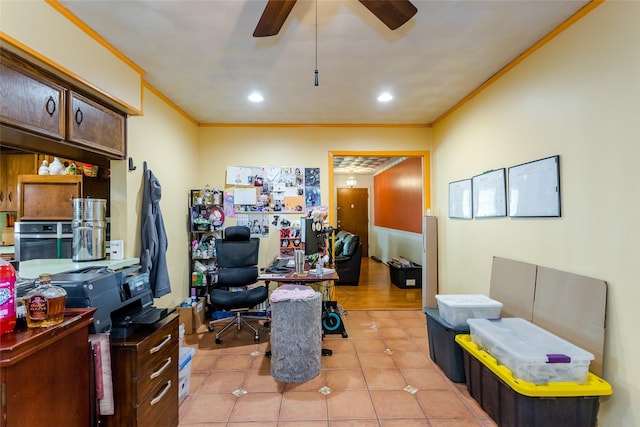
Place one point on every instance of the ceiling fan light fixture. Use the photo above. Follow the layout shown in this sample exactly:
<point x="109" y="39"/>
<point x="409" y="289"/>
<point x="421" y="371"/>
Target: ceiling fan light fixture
<point x="385" y="97"/>
<point x="255" y="97"/>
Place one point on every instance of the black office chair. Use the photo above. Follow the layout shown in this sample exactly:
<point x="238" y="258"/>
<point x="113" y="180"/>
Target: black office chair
<point x="237" y="263"/>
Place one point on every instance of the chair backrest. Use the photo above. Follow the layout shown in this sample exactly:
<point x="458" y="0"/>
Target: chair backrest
<point x="237" y="257"/>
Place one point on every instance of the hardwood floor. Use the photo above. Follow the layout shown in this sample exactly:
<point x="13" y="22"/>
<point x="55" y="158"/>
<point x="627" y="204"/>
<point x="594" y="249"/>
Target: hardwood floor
<point x="376" y="291"/>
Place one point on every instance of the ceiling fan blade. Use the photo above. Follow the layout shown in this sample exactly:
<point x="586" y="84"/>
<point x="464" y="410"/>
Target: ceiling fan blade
<point x="273" y="17"/>
<point x="393" y="13"/>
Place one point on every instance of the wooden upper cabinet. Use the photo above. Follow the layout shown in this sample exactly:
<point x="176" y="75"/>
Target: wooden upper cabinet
<point x="12" y="165"/>
<point x="29" y="101"/>
<point x="48" y="197"/>
<point x="95" y="127"/>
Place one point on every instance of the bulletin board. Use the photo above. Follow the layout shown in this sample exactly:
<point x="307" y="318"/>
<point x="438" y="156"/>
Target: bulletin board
<point x="534" y="188"/>
<point x="489" y="194"/>
<point x="460" y="199"/>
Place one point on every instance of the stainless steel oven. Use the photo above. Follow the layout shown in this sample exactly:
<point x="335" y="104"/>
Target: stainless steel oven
<point x="39" y="240"/>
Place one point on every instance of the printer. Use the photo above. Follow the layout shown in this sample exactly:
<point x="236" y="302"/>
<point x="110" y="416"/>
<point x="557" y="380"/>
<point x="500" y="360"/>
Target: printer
<point x="122" y="298"/>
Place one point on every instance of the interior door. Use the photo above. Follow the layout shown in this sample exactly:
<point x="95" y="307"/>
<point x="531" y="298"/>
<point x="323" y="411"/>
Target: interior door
<point x="353" y="214"/>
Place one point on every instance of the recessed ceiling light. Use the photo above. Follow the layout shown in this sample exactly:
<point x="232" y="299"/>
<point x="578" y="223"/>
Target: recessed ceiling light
<point x="256" y="97"/>
<point x="385" y="97"/>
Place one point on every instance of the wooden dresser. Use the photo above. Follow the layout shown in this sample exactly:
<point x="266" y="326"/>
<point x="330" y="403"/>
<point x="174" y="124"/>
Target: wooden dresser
<point x="145" y="377"/>
<point x="45" y="374"/>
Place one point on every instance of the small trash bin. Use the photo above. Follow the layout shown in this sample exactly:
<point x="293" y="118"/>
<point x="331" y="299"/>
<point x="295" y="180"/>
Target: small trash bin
<point x="296" y="333"/>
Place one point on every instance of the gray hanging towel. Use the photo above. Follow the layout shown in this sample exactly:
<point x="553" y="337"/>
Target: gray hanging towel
<point x="153" y="237"/>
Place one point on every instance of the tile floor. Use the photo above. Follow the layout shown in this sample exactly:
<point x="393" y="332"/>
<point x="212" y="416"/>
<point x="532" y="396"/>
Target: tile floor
<point x="386" y="351"/>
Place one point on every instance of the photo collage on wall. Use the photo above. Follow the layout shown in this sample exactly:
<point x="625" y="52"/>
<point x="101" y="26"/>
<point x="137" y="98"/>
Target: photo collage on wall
<point x="283" y="192"/>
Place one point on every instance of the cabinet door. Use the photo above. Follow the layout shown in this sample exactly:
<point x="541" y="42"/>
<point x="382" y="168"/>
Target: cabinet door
<point x="48" y="197"/>
<point x="95" y="127"/>
<point x="11" y="166"/>
<point x="29" y="101"/>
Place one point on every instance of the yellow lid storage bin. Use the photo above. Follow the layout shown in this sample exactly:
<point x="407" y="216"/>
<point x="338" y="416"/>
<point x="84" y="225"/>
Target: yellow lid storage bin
<point x="514" y="402"/>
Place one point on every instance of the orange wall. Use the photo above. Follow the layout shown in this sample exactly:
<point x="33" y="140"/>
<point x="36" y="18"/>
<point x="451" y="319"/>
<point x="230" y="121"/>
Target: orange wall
<point x="398" y="196"/>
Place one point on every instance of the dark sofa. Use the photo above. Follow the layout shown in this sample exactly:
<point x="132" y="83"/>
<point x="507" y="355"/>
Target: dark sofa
<point x="348" y="258"/>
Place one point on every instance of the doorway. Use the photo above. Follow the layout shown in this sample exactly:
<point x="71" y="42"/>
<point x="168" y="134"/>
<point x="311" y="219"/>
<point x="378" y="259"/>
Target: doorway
<point x="352" y="206"/>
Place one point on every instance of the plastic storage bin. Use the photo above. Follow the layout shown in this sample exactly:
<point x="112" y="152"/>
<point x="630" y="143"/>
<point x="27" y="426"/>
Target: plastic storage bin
<point x="530" y="352"/>
<point x="456" y="309"/>
<point x="514" y="402"/>
<point x="184" y="372"/>
<point x="443" y="349"/>
<point x="406" y="277"/>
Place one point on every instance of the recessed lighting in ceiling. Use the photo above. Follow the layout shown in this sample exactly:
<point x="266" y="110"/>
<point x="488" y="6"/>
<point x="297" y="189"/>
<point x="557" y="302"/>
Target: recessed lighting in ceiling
<point x="256" y="97"/>
<point x="385" y="97"/>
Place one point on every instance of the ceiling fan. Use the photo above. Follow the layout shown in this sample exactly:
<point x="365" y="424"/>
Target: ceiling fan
<point x="393" y="13"/>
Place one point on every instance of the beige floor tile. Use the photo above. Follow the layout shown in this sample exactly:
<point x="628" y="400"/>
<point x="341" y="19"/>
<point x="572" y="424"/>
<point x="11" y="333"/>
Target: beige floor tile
<point x="432" y="379"/>
<point x="384" y="379"/>
<point x="411" y="359"/>
<point x="261" y="381"/>
<point x="376" y="360"/>
<point x="345" y="379"/>
<point x="443" y="404"/>
<point x="212" y="407"/>
<point x="350" y="405"/>
<point x="356" y="423"/>
<point x="223" y="382"/>
<point x="366" y="382"/>
<point x="303" y="406"/>
<point x="369" y="345"/>
<point x="394" y="404"/>
<point x="257" y="407"/>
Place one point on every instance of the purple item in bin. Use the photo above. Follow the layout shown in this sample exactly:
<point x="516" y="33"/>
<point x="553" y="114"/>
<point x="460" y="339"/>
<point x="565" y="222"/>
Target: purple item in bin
<point x="530" y="352"/>
<point x="558" y="358"/>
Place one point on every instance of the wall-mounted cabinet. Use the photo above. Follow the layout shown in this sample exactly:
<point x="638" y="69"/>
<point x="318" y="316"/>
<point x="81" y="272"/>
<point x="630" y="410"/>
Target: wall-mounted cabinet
<point x="95" y="126"/>
<point x="42" y="113"/>
<point x="12" y="165"/>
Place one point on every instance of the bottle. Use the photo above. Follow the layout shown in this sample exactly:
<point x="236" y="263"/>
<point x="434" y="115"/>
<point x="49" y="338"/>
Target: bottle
<point x="45" y="304"/>
<point x="7" y="297"/>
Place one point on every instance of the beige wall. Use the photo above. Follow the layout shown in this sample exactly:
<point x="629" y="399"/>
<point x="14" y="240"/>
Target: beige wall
<point x="578" y="97"/>
<point x="299" y="146"/>
<point x="41" y="30"/>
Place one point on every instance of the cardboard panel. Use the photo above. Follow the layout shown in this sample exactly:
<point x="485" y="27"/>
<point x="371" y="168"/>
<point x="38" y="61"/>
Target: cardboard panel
<point x="572" y="307"/>
<point x="513" y="283"/>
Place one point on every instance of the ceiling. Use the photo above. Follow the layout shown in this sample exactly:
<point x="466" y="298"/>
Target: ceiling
<point x="202" y="56"/>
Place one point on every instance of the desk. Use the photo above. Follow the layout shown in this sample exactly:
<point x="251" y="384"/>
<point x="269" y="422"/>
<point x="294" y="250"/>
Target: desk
<point x="331" y="320"/>
<point x="304" y="278"/>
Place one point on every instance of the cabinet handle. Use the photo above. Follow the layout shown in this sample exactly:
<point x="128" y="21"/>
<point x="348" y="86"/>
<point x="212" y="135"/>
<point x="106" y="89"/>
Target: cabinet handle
<point x="159" y="346"/>
<point x="10" y="196"/>
<point x="79" y="116"/>
<point x="50" y="106"/>
<point x="1" y="196"/>
<point x="155" y="374"/>
<point x="160" y="395"/>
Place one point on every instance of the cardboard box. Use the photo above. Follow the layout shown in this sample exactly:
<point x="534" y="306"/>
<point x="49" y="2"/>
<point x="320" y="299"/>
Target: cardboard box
<point x="193" y="317"/>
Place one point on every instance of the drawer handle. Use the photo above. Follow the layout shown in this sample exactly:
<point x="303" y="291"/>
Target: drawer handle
<point x="155" y="374"/>
<point x="159" y="346"/>
<point x="50" y="106"/>
<point x="79" y="116"/>
<point x="160" y="395"/>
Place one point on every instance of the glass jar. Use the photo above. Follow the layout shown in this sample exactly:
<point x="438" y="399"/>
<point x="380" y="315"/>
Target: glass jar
<point x="44" y="305"/>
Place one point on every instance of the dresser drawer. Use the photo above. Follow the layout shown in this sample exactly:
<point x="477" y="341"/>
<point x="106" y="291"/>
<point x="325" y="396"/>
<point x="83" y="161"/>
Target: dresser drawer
<point x="152" y="372"/>
<point x="160" y="407"/>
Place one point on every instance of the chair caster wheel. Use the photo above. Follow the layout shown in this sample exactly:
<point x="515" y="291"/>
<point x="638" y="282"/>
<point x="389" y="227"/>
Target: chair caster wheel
<point x="210" y="328"/>
<point x="256" y="338"/>
<point x="266" y="324"/>
<point x="218" y="340"/>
